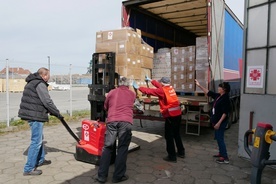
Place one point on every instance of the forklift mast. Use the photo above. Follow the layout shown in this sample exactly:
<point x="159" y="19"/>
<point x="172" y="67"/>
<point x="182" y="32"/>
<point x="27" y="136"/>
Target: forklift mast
<point x="104" y="79"/>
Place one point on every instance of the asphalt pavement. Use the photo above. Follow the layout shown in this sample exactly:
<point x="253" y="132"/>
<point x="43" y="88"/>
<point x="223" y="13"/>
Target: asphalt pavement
<point x="143" y="166"/>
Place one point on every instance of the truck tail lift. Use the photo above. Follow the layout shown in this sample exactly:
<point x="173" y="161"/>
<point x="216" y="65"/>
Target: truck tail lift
<point x="263" y="137"/>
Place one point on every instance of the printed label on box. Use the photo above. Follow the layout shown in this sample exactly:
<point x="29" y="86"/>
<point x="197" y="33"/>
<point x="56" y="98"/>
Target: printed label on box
<point x="121" y="46"/>
<point x="110" y="36"/>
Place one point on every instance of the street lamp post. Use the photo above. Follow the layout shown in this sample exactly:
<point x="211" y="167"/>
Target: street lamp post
<point x="49" y="63"/>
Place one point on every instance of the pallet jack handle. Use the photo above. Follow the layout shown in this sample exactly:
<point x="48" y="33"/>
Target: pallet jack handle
<point x="81" y="142"/>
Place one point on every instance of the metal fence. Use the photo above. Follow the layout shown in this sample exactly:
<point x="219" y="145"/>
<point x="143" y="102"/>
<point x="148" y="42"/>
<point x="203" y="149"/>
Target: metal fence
<point x="68" y="86"/>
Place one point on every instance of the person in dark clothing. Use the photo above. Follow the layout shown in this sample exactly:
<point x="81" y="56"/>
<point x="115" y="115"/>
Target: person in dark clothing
<point x="119" y="105"/>
<point x="35" y="105"/>
<point x="219" y="117"/>
<point x="170" y="110"/>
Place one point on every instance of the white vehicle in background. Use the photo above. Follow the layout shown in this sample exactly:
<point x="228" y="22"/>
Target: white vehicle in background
<point x="58" y="87"/>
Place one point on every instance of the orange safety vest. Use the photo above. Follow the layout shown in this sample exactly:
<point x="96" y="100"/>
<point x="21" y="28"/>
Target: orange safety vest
<point x="171" y="105"/>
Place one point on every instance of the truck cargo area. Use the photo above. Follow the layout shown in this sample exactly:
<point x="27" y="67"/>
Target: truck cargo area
<point x="192" y="25"/>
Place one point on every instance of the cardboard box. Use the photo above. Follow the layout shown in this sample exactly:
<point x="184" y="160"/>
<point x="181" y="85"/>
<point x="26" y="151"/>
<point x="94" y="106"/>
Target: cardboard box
<point x="178" y="86"/>
<point x="189" y="87"/>
<point x="190" y="50"/>
<point x="190" y="77"/>
<point x="146" y="62"/>
<point x="176" y="51"/>
<point x="117" y="47"/>
<point x="129" y="72"/>
<point x="118" y="35"/>
<point x="178" y="60"/>
<point x="146" y="50"/>
<point x="106" y="47"/>
<point x="179" y="68"/>
<point x="129" y="60"/>
<point x="127" y="47"/>
<point x="190" y="68"/>
<point x="145" y="72"/>
<point x="149" y="51"/>
<point x="179" y="77"/>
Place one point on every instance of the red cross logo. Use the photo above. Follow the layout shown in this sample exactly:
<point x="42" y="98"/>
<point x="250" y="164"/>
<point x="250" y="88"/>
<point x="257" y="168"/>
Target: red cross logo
<point x="255" y="74"/>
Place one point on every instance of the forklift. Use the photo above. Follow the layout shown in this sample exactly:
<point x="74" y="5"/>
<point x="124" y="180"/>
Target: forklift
<point x="104" y="79"/>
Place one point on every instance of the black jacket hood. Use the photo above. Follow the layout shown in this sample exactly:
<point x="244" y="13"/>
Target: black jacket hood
<point x="34" y="76"/>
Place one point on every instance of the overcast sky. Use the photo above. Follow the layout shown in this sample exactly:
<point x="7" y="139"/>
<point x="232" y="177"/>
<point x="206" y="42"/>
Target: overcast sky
<point x="65" y="30"/>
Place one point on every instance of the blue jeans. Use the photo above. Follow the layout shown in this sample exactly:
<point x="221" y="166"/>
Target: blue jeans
<point x="123" y="131"/>
<point x="219" y="136"/>
<point x="36" y="154"/>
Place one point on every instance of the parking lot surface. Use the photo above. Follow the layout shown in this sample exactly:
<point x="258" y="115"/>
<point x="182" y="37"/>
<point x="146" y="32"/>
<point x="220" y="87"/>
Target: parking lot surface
<point x="143" y="166"/>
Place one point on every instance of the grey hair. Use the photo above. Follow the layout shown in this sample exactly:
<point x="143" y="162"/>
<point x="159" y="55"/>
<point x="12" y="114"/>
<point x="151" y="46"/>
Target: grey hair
<point x="124" y="81"/>
<point x="42" y="71"/>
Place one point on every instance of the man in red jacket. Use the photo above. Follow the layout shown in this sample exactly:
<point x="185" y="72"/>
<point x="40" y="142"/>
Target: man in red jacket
<point x="171" y="111"/>
<point x="119" y="105"/>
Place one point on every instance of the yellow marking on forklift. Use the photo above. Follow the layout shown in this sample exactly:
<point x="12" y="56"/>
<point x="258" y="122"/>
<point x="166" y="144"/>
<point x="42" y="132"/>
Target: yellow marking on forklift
<point x="257" y="142"/>
<point x="268" y="134"/>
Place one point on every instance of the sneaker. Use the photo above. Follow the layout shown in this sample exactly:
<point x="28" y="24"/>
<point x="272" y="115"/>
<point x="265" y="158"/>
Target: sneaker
<point x="124" y="178"/>
<point x="217" y="156"/>
<point x="222" y="160"/>
<point x="33" y="173"/>
<point x="168" y="159"/>
<point x="45" y="162"/>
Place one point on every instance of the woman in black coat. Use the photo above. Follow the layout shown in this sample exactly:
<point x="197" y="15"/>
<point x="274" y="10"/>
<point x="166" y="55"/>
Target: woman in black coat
<point x="219" y="117"/>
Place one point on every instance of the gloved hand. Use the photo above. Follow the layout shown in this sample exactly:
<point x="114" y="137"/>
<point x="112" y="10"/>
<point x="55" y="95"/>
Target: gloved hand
<point x="135" y="85"/>
<point x="147" y="79"/>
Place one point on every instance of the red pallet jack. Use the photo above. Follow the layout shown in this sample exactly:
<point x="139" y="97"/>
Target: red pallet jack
<point x="89" y="148"/>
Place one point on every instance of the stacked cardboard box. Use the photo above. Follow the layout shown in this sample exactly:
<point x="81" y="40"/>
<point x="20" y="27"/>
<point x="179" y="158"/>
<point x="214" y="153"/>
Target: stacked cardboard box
<point x="183" y="68"/>
<point x="133" y="58"/>
<point x="202" y="65"/>
<point x="178" y="68"/>
<point x="161" y="64"/>
<point x="190" y="54"/>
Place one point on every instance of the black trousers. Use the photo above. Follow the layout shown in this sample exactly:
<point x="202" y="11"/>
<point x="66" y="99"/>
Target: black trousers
<point x="122" y="130"/>
<point x="172" y="136"/>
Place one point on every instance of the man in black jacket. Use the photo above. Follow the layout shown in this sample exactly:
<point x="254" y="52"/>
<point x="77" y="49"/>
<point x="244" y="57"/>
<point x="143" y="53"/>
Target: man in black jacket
<point x="35" y="105"/>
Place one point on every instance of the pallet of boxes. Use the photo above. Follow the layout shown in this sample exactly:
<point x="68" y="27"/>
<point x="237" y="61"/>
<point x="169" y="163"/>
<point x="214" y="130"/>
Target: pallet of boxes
<point x="202" y="64"/>
<point x="134" y="58"/>
<point x="183" y="65"/>
<point x="178" y="63"/>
